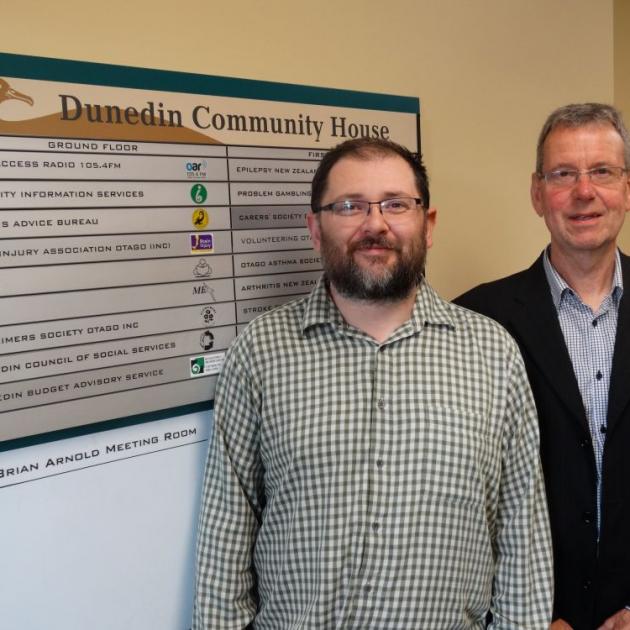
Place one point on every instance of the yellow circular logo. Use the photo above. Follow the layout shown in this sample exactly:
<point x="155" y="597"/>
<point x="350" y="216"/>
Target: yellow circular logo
<point x="200" y="218"/>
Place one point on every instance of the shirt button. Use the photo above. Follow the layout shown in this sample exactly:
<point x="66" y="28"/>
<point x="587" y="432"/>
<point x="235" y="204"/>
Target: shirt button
<point x="375" y="526"/>
<point x="598" y="376"/>
<point x="379" y="463"/>
<point x="586" y="585"/>
<point x="584" y="442"/>
<point x="602" y="429"/>
<point x="367" y="588"/>
<point x="380" y="403"/>
<point x="594" y="322"/>
<point x="588" y="517"/>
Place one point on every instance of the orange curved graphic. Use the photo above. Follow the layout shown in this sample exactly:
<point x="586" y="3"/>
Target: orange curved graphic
<point x="56" y="125"/>
<point x="53" y="125"/>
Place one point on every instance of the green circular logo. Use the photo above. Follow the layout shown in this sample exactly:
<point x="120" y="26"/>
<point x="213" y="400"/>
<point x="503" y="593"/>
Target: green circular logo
<point x="198" y="193"/>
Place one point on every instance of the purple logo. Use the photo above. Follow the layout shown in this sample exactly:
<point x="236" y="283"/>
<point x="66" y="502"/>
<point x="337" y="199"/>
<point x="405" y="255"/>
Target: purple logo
<point x="201" y="243"/>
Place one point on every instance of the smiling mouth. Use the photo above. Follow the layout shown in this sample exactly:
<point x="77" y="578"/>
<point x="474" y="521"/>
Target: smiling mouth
<point x="373" y="248"/>
<point x="585" y="217"/>
<point x="372" y="245"/>
<point x="374" y="253"/>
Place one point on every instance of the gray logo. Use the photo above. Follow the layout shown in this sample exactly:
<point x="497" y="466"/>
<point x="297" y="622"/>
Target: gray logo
<point x="202" y="269"/>
<point x="208" y="313"/>
<point x="206" y="340"/>
<point x="204" y="289"/>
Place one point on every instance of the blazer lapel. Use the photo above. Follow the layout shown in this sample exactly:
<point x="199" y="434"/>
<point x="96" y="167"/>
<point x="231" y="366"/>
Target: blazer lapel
<point x="537" y="327"/>
<point x="619" y="393"/>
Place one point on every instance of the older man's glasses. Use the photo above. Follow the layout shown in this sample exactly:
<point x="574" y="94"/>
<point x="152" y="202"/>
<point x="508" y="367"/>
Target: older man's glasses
<point x="392" y="209"/>
<point x="604" y="176"/>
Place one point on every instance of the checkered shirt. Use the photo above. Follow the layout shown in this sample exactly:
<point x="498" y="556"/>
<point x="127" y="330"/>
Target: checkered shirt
<point x="357" y="485"/>
<point x="590" y="340"/>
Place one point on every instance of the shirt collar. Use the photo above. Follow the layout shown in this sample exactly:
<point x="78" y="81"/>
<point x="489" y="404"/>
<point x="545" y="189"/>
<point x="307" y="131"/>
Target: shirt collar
<point x="559" y="288"/>
<point x="428" y="308"/>
<point x="320" y="309"/>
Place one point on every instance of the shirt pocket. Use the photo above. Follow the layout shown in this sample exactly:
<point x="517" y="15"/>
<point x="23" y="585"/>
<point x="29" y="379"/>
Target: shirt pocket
<point x="451" y="454"/>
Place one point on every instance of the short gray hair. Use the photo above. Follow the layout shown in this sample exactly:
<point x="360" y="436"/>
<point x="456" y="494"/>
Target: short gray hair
<point x="580" y="115"/>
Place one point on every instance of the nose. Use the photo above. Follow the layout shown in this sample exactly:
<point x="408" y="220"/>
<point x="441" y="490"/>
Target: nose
<point x="584" y="188"/>
<point x="374" y="220"/>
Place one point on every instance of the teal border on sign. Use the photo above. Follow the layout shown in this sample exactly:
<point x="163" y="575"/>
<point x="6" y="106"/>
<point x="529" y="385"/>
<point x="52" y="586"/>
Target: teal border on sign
<point x="48" y="69"/>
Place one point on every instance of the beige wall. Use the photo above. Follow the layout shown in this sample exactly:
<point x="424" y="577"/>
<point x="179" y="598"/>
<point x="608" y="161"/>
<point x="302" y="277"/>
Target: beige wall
<point x="622" y="56"/>
<point x="622" y="77"/>
<point x="487" y="73"/>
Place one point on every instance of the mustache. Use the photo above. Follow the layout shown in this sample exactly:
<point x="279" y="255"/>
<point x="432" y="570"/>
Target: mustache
<point x="370" y="241"/>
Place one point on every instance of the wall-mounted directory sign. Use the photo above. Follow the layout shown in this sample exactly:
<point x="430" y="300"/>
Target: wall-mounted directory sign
<point x="145" y="218"/>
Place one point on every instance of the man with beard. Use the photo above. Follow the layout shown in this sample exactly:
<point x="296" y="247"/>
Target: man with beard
<point x="374" y="462"/>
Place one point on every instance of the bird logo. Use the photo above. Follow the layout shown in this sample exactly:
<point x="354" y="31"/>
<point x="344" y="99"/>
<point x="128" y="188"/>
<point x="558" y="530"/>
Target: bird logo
<point x="7" y="93"/>
<point x="200" y="218"/>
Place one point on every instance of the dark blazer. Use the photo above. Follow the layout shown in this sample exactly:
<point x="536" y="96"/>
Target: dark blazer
<point x="592" y="581"/>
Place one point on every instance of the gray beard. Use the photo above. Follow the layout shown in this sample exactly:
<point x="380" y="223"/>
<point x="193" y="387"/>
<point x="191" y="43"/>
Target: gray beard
<point x="357" y="283"/>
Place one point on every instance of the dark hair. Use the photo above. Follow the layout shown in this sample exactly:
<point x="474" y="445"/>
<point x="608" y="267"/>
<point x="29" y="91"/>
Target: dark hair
<point x="364" y="149"/>
<point x="580" y="115"/>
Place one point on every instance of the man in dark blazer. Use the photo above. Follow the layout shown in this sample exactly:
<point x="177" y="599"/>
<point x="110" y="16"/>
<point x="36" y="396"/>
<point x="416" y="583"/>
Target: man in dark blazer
<point x="570" y="314"/>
